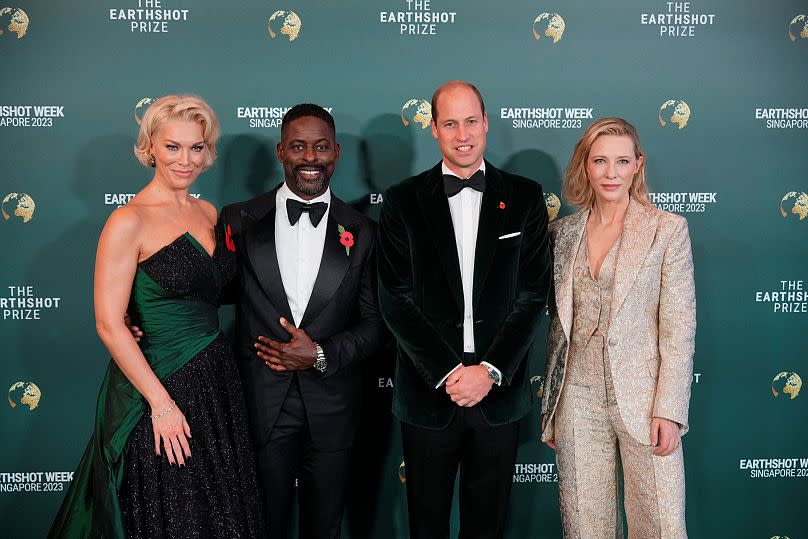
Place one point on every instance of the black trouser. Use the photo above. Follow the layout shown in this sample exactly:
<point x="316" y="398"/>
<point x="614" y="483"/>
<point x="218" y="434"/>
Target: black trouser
<point x="486" y="456"/>
<point x="321" y="474"/>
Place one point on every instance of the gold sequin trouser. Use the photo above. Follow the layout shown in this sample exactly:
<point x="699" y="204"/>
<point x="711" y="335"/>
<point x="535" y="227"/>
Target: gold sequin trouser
<point x="593" y="445"/>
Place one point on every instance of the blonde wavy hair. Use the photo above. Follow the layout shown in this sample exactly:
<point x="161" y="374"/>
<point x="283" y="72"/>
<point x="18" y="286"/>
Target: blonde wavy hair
<point x="177" y="107"/>
<point x="577" y="190"/>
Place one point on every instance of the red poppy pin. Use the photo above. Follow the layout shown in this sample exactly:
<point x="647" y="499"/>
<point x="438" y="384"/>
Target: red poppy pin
<point x="228" y="240"/>
<point x="501" y="205"/>
<point x="346" y="239"/>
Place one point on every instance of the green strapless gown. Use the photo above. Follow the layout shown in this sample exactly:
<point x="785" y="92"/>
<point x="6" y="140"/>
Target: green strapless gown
<point x="121" y="489"/>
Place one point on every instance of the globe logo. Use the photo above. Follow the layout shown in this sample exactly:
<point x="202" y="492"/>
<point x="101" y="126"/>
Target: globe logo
<point x="14" y="20"/>
<point x="141" y="106"/>
<point x="24" y="394"/>
<point x="540" y="380"/>
<point x="402" y="475"/>
<point x="795" y="203"/>
<point x="416" y="111"/>
<point x="674" y="112"/>
<point x="550" y="25"/>
<point x="285" y="23"/>
<point x="781" y="537"/>
<point x="17" y="207"/>
<point x="797" y="28"/>
<point x="787" y="385"/>
<point x="553" y="204"/>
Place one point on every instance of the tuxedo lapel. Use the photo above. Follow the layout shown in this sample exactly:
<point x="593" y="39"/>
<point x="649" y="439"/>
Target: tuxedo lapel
<point x="489" y="228"/>
<point x="334" y="263"/>
<point x="567" y="242"/>
<point x="435" y="209"/>
<point x="259" y="242"/>
<point x="639" y="231"/>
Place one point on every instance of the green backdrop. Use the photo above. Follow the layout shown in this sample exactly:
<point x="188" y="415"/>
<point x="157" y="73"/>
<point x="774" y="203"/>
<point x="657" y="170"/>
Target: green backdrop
<point x="717" y="89"/>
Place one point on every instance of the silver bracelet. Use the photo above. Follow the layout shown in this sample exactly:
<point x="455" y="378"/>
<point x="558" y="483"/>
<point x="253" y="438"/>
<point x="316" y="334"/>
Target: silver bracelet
<point x="164" y="412"/>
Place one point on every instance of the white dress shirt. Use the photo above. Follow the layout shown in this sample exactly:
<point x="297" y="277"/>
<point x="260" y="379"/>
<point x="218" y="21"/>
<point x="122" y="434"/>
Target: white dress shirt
<point x="299" y="249"/>
<point x="465" y="211"/>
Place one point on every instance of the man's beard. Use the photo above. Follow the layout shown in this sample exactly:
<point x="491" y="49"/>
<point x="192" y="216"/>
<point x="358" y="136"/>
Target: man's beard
<point x="312" y="188"/>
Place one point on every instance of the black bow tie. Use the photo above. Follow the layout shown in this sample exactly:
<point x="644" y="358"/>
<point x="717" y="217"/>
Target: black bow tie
<point x="453" y="185"/>
<point x="295" y="208"/>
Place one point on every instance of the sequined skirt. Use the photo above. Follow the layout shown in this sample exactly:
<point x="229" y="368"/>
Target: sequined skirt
<point x="216" y="493"/>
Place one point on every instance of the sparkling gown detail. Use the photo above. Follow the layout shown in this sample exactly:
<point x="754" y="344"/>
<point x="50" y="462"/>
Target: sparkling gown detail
<point x="121" y="488"/>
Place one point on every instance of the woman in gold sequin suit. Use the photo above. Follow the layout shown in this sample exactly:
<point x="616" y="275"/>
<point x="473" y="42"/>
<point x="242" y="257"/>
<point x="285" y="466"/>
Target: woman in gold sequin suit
<point x="620" y="348"/>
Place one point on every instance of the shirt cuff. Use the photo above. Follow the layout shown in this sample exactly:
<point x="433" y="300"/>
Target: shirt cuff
<point x="443" y="380"/>
<point x="496" y="370"/>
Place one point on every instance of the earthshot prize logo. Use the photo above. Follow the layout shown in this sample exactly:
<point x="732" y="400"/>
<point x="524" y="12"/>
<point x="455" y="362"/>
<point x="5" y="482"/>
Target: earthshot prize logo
<point x="798" y="28"/>
<point x="794" y="203"/>
<point x="30" y="115"/>
<point x="674" y="113"/>
<point x="549" y="25"/>
<point x="24" y="394"/>
<point x="22" y="303"/>
<point x="553" y="204"/>
<point x="678" y="20"/>
<point x="786" y="385"/>
<point x="13" y="20"/>
<point x="141" y="107"/>
<point x="149" y="16"/>
<point x="538" y="379"/>
<point x="17" y="207"/>
<point x="416" y="112"/>
<point x="285" y="25"/>
<point x="417" y="19"/>
<point x="789" y="297"/>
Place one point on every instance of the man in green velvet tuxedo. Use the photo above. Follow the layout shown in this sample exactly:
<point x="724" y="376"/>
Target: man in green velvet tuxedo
<point x="464" y="270"/>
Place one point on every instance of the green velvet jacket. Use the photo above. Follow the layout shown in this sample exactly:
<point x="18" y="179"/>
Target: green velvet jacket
<point x="421" y="296"/>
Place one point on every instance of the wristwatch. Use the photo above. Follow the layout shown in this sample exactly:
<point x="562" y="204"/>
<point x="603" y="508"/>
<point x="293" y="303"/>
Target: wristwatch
<point x="493" y="374"/>
<point x="320" y="364"/>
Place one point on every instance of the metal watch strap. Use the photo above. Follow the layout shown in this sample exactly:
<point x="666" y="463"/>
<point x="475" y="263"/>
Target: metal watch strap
<point x="320" y="364"/>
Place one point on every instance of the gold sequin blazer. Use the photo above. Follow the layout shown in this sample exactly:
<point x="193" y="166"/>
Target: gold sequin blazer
<point x="651" y="336"/>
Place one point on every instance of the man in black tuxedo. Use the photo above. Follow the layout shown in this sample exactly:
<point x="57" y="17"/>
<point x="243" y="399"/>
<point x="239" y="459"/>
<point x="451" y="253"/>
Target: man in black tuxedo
<point x="464" y="270"/>
<point x="306" y="315"/>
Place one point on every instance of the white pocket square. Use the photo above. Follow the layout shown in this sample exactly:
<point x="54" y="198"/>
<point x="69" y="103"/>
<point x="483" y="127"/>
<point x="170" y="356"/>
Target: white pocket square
<point x="511" y="235"/>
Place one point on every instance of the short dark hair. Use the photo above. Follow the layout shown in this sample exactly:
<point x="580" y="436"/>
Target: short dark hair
<point x="304" y="110"/>
<point x="446" y="85"/>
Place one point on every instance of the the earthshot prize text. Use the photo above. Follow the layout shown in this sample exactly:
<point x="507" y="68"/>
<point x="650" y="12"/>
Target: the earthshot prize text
<point x="791" y="298"/>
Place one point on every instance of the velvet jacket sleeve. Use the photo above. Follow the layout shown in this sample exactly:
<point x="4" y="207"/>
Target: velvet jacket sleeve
<point x="424" y="346"/>
<point x="514" y="338"/>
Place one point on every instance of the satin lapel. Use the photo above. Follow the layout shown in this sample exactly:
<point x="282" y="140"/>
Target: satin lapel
<point x="639" y="231"/>
<point x="489" y="229"/>
<point x="435" y="209"/>
<point x="259" y="242"/>
<point x="334" y="263"/>
<point x="565" y="249"/>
